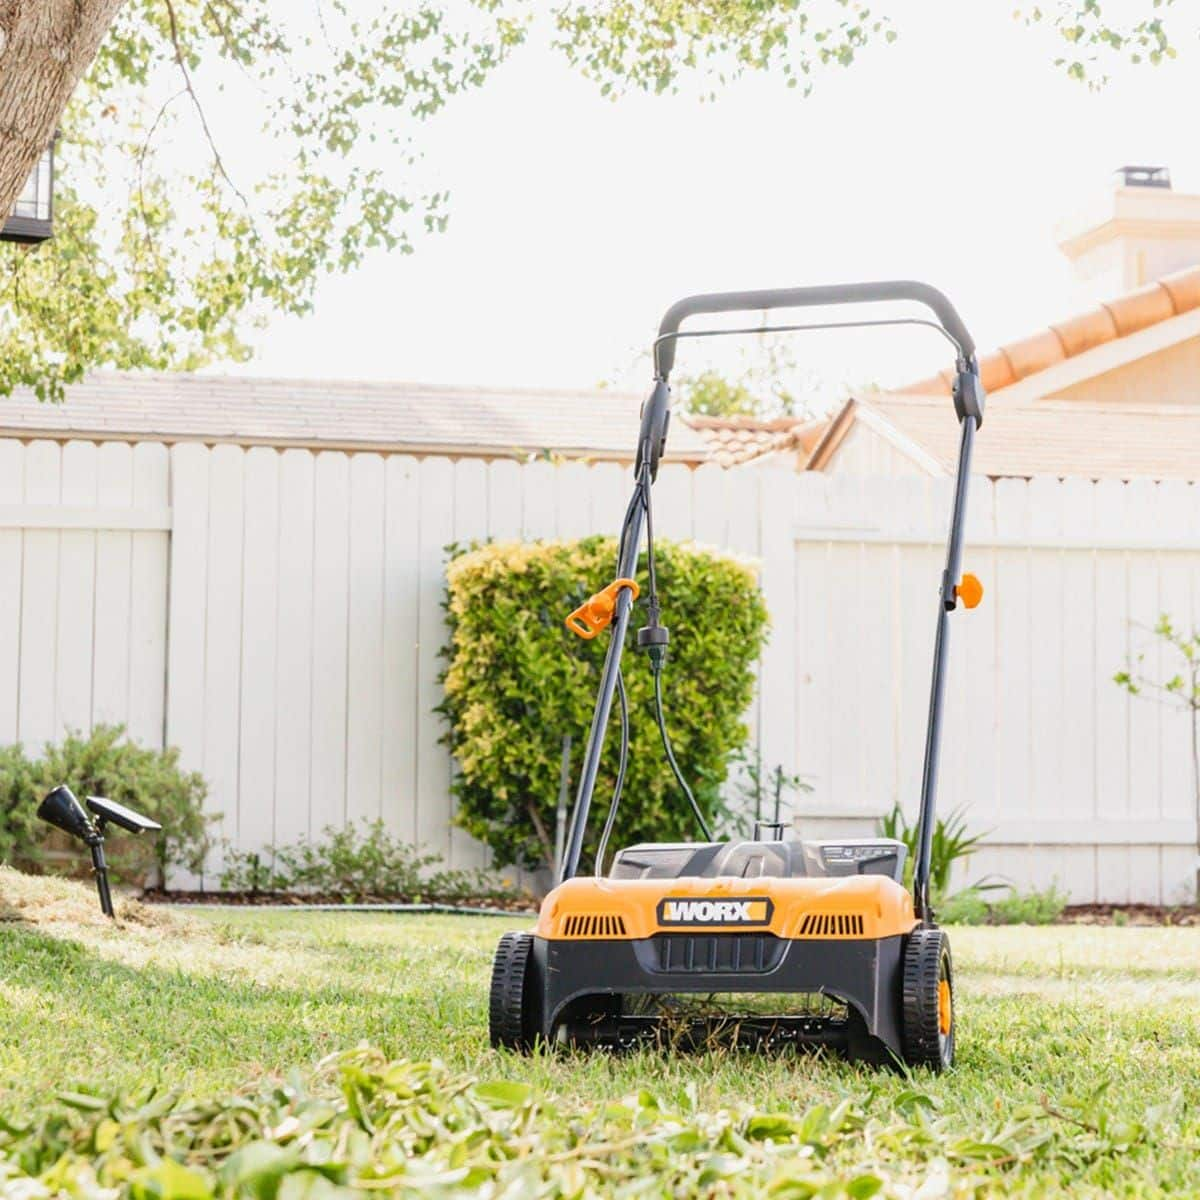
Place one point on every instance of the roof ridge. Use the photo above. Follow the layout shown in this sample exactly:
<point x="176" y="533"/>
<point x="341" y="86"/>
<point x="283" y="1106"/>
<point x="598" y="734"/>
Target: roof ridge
<point x="195" y="378"/>
<point x="1169" y="296"/>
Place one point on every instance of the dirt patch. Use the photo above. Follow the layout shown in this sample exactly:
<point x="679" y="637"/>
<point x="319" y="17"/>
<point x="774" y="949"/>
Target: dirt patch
<point x="1131" y="914"/>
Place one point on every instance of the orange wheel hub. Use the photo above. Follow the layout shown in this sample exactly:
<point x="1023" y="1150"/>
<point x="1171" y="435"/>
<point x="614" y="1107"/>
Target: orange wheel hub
<point x="945" y="1007"/>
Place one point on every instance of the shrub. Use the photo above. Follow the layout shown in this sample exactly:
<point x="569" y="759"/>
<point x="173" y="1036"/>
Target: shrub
<point x="357" y="863"/>
<point x="517" y="681"/>
<point x="106" y="763"/>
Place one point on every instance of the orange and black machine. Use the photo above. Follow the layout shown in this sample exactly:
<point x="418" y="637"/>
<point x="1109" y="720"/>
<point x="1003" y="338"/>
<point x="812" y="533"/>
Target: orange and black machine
<point x="776" y="939"/>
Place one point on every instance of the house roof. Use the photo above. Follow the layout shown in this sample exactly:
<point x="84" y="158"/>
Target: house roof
<point x="387" y="417"/>
<point x="1050" y="437"/>
<point x="733" y="440"/>
<point x="1161" y="301"/>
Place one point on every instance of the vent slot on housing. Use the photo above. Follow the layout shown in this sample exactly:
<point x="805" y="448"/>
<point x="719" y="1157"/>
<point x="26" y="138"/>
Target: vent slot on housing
<point x="593" y="925"/>
<point x="832" y="925"/>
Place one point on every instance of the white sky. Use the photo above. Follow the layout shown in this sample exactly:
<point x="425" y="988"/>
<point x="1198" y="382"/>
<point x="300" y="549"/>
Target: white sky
<point x="576" y="220"/>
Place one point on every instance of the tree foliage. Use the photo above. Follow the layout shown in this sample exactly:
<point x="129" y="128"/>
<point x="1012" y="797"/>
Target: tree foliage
<point x="223" y="156"/>
<point x="517" y="682"/>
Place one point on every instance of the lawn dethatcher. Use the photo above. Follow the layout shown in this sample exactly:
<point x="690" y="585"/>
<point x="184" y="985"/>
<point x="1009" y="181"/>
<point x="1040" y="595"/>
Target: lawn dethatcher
<point x="771" y="940"/>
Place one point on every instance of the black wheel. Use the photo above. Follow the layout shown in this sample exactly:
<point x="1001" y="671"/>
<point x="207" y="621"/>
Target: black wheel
<point x="927" y="1002"/>
<point x="510" y="1009"/>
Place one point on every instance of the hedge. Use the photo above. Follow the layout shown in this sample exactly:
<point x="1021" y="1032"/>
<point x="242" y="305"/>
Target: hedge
<point x="517" y="681"/>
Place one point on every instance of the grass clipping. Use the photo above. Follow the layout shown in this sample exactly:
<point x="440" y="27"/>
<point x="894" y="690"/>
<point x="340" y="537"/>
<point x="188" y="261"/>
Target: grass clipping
<point x="369" y="1126"/>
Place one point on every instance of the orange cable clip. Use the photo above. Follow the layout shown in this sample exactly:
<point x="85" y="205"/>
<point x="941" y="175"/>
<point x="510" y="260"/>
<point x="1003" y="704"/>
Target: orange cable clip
<point x="596" y="613"/>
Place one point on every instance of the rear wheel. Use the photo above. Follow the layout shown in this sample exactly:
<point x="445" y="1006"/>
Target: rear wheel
<point x="927" y="1001"/>
<point x="510" y="1009"/>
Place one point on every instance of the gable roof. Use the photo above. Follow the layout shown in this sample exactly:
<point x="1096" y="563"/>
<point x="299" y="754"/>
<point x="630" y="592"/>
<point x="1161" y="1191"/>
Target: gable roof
<point x="1051" y="437"/>
<point x="407" y="418"/>
<point x="1156" y="303"/>
<point x="733" y="440"/>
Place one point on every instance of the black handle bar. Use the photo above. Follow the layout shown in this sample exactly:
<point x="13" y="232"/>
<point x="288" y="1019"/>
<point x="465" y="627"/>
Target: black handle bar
<point x="838" y="293"/>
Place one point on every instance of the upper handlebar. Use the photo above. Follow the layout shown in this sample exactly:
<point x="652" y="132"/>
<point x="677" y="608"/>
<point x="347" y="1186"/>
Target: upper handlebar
<point x="838" y="293"/>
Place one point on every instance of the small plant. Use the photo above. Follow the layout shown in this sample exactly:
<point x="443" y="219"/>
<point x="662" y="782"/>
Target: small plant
<point x="970" y="907"/>
<point x="763" y="792"/>
<point x="950" y="844"/>
<point x="106" y="763"/>
<point x="1181" y="690"/>
<point x="357" y="863"/>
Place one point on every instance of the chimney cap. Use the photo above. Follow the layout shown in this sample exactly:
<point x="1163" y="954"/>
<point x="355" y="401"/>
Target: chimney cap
<point x="1143" y="177"/>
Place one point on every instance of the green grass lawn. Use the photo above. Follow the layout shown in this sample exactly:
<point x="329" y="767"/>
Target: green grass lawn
<point x="1078" y="1072"/>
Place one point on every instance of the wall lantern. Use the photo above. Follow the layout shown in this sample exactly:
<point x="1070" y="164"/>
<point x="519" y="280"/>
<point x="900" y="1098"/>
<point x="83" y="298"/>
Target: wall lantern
<point x="32" y="218"/>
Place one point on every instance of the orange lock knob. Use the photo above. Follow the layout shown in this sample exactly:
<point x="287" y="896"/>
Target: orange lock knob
<point x="970" y="591"/>
<point x="596" y="613"/>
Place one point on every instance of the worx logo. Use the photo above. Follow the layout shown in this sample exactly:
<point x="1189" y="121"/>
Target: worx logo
<point x="754" y="910"/>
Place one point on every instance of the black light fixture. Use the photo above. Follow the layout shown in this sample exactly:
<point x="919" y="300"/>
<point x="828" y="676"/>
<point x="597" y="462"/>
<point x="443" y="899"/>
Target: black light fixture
<point x="32" y="218"/>
<point x="62" y="810"/>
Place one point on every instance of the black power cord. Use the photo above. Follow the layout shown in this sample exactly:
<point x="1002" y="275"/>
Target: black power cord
<point x="653" y="639"/>
<point x="615" y="802"/>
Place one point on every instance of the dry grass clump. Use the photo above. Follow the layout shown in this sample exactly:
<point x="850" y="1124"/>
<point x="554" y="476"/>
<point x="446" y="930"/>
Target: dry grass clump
<point x="48" y="902"/>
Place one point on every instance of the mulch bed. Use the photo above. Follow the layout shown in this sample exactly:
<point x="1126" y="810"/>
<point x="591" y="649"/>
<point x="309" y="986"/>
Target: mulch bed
<point x="1131" y="914"/>
<point x="513" y="904"/>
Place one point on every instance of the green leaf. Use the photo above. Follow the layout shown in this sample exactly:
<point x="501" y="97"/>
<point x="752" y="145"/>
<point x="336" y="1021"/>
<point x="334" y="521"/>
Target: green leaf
<point x="169" y="1180"/>
<point x="504" y="1093"/>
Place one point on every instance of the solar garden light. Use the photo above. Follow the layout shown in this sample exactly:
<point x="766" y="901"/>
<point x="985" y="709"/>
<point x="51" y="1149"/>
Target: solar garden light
<point x="32" y="218"/>
<point x="62" y="810"/>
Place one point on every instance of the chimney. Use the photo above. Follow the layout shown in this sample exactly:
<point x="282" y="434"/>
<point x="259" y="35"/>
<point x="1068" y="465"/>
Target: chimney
<point x="1137" y="232"/>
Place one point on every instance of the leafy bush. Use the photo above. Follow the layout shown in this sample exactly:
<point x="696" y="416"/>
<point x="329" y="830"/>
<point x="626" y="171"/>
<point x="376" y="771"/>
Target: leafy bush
<point x="106" y="763"/>
<point x="950" y="844"/>
<point x="970" y="907"/>
<point x="355" y="864"/>
<point x="517" y="681"/>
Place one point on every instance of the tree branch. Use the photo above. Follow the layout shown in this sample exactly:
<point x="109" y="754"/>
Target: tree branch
<point x="191" y="91"/>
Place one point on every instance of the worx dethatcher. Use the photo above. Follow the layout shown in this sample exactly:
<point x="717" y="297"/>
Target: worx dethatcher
<point x="773" y="940"/>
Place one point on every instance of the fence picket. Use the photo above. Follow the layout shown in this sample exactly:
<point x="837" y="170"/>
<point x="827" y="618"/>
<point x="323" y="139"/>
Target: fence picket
<point x="294" y="654"/>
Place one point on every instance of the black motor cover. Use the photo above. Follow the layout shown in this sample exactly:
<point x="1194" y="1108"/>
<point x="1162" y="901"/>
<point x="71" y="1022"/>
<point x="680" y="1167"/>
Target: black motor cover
<point x="755" y="860"/>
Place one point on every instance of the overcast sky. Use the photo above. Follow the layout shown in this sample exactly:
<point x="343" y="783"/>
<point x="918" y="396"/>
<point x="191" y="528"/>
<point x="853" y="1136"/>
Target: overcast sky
<point x="576" y="220"/>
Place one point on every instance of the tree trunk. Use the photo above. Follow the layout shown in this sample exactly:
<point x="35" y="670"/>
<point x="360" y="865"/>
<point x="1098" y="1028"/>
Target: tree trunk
<point x="45" y="47"/>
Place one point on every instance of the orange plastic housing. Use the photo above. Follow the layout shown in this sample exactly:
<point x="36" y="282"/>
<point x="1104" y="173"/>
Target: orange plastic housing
<point x="855" y="906"/>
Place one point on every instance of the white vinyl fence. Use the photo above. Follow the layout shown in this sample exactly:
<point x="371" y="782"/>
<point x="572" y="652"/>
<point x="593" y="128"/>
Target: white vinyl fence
<point x="277" y="615"/>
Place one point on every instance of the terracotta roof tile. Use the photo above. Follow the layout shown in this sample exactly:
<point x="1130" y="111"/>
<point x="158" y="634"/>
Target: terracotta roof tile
<point x="1168" y="297"/>
<point x="1036" y="353"/>
<point x="1088" y="329"/>
<point x="1141" y="309"/>
<point x="740" y="439"/>
<point x="1184" y="289"/>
